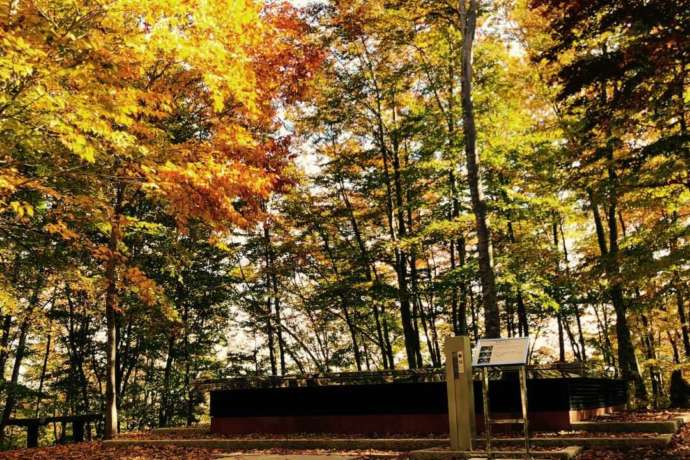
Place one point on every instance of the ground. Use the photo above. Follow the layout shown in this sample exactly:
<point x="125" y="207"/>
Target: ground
<point x="96" y="451"/>
<point x="679" y="448"/>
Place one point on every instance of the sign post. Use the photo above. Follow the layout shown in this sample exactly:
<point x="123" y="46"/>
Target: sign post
<point x="461" y="415"/>
<point x="504" y="354"/>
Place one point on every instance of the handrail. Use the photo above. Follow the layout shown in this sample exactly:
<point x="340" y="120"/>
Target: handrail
<point x="321" y="379"/>
<point x="429" y="374"/>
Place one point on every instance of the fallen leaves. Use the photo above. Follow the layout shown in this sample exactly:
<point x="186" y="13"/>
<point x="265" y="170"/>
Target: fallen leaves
<point x="640" y="415"/>
<point x="97" y="451"/>
<point x="678" y="449"/>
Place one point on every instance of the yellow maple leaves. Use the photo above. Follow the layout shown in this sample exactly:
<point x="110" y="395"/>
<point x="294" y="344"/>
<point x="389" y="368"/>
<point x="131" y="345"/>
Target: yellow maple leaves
<point x="170" y="101"/>
<point x="212" y="191"/>
<point x="60" y="228"/>
<point x="22" y="208"/>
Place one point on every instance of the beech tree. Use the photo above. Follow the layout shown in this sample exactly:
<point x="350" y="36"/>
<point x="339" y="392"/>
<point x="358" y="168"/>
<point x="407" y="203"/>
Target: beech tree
<point x="127" y="73"/>
<point x="625" y="64"/>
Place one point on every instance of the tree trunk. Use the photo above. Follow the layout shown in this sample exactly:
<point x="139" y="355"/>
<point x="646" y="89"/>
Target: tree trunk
<point x="604" y="342"/>
<point x="353" y="333"/>
<point x="411" y="342"/>
<point x="674" y="347"/>
<point x="7" y="325"/>
<point x="379" y="336"/>
<point x="387" y="337"/>
<point x="576" y="307"/>
<point x="279" y="319"/>
<point x="475" y="319"/>
<point x="677" y="285"/>
<point x="163" y="411"/>
<point x="111" y="422"/>
<point x="11" y="398"/>
<point x="408" y="319"/>
<point x="650" y="352"/>
<point x="523" y="326"/>
<point x="580" y="335"/>
<point x="455" y="325"/>
<point x="418" y="308"/>
<point x="75" y="346"/>
<point x="492" y="324"/>
<point x="432" y="315"/>
<point x="561" y="339"/>
<point x="462" y="314"/>
<point x="574" y="345"/>
<point x="456" y="316"/>
<point x="509" y="317"/>
<point x="417" y="296"/>
<point x="270" y="334"/>
<point x="560" y="317"/>
<point x="11" y="395"/>
<point x="401" y="274"/>
<point x="365" y="261"/>
<point x="272" y="280"/>
<point x="44" y="368"/>
<point x="682" y="317"/>
<point x="344" y="301"/>
<point x="4" y="342"/>
<point x="187" y="367"/>
<point x="626" y="351"/>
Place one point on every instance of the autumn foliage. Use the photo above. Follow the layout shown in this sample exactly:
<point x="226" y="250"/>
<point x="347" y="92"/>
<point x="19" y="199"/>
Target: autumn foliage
<point x="198" y="189"/>
<point x="176" y="104"/>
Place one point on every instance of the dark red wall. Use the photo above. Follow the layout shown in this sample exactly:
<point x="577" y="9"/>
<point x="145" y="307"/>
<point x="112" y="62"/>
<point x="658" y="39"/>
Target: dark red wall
<point x="412" y="424"/>
<point x="409" y="408"/>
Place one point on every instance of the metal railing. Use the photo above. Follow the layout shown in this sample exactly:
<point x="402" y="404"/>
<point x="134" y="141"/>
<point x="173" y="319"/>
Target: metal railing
<point x="323" y="379"/>
<point x="431" y="374"/>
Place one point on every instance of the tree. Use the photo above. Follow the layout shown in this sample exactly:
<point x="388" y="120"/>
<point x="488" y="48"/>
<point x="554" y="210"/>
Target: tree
<point x="127" y="72"/>
<point x="468" y="12"/>
<point x="625" y="64"/>
<point x="154" y="228"/>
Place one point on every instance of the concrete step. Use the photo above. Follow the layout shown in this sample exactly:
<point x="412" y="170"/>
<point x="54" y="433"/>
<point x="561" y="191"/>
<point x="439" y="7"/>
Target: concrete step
<point x="391" y="444"/>
<point x="666" y="426"/>
<point x="599" y="441"/>
<point x="204" y="428"/>
<point x="566" y="453"/>
<point x="396" y="445"/>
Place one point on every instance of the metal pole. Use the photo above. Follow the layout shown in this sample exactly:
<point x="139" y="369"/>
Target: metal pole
<point x="523" y="397"/>
<point x="487" y="419"/>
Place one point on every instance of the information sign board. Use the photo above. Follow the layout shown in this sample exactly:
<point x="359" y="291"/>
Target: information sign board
<point x="501" y="352"/>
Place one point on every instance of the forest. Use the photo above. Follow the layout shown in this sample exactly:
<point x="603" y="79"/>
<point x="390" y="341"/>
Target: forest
<point x="205" y="189"/>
